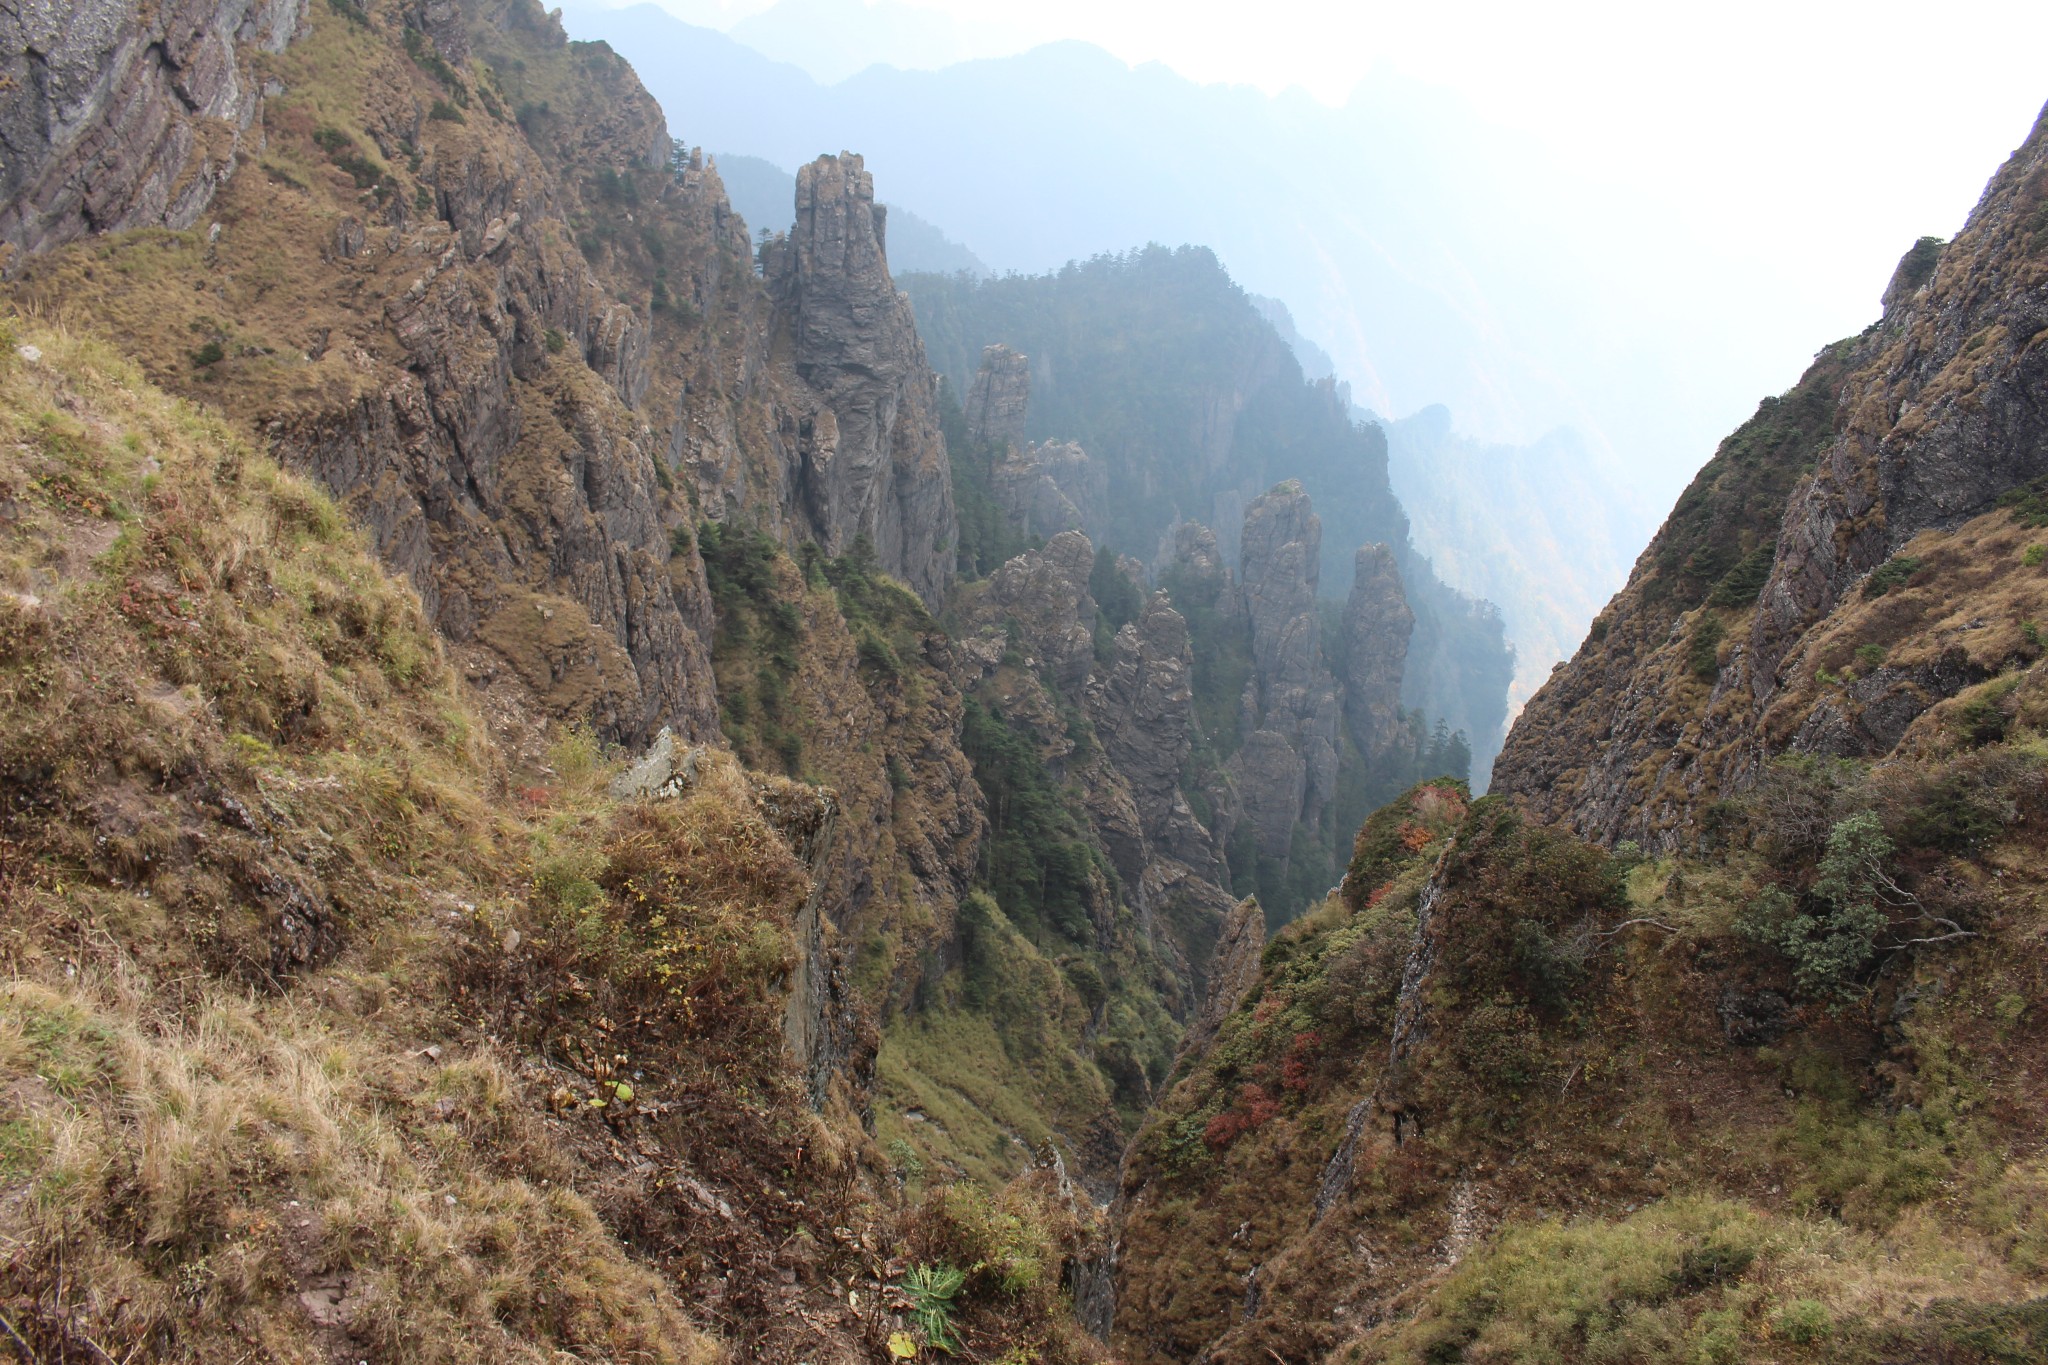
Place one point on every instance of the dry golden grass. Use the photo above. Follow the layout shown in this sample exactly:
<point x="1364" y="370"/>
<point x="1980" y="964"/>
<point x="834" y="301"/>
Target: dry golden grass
<point x="324" y="1033"/>
<point x="238" y="739"/>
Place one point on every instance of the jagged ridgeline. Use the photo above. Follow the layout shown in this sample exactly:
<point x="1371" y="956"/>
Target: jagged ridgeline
<point x="353" y="1009"/>
<point x="1188" y="405"/>
<point x="645" y="478"/>
<point x="560" y="798"/>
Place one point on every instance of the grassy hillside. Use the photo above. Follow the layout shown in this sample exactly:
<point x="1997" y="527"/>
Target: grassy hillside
<point x="1513" y="1097"/>
<point x="331" y="1028"/>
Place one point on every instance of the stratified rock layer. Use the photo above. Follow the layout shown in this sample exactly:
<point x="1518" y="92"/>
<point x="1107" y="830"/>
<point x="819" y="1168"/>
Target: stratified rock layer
<point x="117" y="115"/>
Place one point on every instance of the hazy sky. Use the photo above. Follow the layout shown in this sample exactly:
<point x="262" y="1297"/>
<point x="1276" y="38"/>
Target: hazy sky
<point x="1792" y="150"/>
<point x="1880" y="119"/>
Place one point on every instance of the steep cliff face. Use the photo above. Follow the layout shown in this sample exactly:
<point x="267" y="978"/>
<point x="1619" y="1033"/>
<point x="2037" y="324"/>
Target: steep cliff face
<point x="1000" y="395"/>
<point x="873" y="462"/>
<point x="120" y="115"/>
<point x="471" y="288"/>
<point x="1376" y="628"/>
<point x="1286" y="772"/>
<point x="1728" y="649"/>
<point x="1141" y="700"/>
<point x="398" y="304"/>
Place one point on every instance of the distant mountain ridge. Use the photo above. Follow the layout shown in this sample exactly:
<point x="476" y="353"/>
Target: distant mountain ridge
<point x="1193" y="404"/>
<point x="1370" y="221"/>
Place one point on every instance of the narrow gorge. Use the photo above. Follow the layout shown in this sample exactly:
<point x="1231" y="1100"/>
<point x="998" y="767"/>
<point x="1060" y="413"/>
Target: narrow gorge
<point x="582" y="781"/>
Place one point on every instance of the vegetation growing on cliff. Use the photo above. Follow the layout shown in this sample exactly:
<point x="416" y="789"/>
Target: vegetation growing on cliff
<point x="1138" y="353"/>
<point x="1756" y="1105"/>
<point x="335" y="1024"/>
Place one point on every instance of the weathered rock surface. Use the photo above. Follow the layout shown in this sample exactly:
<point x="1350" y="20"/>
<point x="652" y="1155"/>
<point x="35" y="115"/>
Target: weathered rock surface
<point x="1142" y="703"/>
<point x="1910" y="430"/>
<point x="1045" y="594"/>
<point x="1377" y="625"/>
<point x="1233" y="971"/>
<point x="1944" y="418"/>
<point x="999" y="397"/>
<point x="1193" y="556"/>
<point x="118" y="115"/>
<point x="872" y="461"/>
<point x="1293" y="698"/>
<point x="1279" y="553"/>
<point x="1051" y="486"/>
<point x="503" y="400"/>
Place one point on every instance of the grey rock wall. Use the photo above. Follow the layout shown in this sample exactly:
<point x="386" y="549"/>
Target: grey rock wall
<point x="119" y="114"/>
<point x="873" y="462"/>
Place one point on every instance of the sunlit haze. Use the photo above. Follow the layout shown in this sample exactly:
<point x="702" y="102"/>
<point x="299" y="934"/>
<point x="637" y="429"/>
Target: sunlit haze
<point x="1793" y="150"/>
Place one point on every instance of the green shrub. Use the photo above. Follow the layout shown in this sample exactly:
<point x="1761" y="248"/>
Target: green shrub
<point x="1741" y="585"/>
<point x="342" y="150"/>
<point x="1703" y="649"/>
<point x="1893" y="573"/>
<point x="2034" y="554"/>
<point x="1830" y="936"/>
<point x="1916" y="267"/>
<point x="1870" y="656"/>
<point x="444" y="112"/>
<point x="1955" y="812"/>
<point x="209" y="354"/>
<point x="556" y="342"/>
<point x="1981" y="720"/>
<point x="1551" y="968"/>
<point x="1804" y="1321"/>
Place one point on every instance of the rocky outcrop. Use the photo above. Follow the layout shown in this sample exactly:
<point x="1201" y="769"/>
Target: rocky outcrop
<point x="1044" y="595"/>
<point x="999" y="397"/>
<point x="115" y="115"/>
<point x="872" y="463"/>
<point x="1377" y="624"/>
<point x="1279" y="553"/>
<point x="530" y="351"/>
<point x="1944" y="419"/>
<point x="1045" y="487"/>
<point x="1684" y="693"/>
<point x="1051" y="486"/>
<point x="1233" y="971"/>
<point x="1142" y="703"/>
<point x="1286" y="771"/>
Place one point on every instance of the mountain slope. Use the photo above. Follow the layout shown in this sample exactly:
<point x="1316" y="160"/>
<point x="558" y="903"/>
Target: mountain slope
<point x="1758" y="609"/>
<point x="1766" y="1092"/>
<point x="334" y="1031"/>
